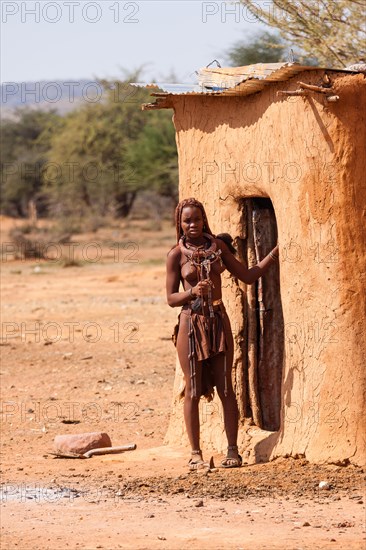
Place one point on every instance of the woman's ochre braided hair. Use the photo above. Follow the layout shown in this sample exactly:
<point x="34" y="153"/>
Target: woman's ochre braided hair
<point x="178" y="216"/>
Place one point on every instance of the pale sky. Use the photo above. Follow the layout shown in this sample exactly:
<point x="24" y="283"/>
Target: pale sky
<point x="72" y="39"/>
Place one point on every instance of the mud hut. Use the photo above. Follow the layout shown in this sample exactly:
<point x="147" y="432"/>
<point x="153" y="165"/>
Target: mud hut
<point x="278" y="152"/>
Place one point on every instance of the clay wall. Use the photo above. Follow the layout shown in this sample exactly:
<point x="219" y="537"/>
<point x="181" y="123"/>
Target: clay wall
<point x="308" y="157"/>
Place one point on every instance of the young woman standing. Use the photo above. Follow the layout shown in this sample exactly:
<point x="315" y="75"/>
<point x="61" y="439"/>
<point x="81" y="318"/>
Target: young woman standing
<point x="204" y="341"/>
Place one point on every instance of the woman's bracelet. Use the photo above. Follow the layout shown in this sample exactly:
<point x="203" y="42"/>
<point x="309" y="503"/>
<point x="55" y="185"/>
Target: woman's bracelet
<point x="273" y="256"/>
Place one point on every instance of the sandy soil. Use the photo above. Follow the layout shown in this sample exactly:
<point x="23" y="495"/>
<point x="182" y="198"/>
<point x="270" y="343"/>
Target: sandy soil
<point x="87" y="348"/>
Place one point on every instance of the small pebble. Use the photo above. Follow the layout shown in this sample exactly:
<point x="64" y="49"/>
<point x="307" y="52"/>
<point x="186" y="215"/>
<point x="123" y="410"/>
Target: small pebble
<point x="199" y="503"/>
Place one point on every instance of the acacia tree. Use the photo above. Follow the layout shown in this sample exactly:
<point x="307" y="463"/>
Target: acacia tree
<point x="265" y="47"/>
<point x="25" y="141"/>
<point x="88" y="171"/>
<point x="333" y="32"/>
<point x="154" y="156"/>
<point x="93" y="161"/>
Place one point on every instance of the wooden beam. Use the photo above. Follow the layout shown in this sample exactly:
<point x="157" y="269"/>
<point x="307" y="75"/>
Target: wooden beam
<point x="294" y="92"/>
<point x="319" y="89"/>
<point x="160" y="103"/>
<point x="302" y="92"/>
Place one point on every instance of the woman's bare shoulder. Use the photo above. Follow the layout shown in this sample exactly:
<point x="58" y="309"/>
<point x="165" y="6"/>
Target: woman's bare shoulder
<point x="220" y="243"/>
<point x="174" y="253"/>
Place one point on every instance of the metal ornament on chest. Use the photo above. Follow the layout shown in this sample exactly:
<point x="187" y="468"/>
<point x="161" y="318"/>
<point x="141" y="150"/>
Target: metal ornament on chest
<point x="202" y="259"/>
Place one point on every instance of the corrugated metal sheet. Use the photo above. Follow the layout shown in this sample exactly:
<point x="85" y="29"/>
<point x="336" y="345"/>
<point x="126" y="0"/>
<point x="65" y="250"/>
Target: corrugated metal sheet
<point x="233" y="80"/>
<point x="233" y="77"/>
<point x="174" y="89"/>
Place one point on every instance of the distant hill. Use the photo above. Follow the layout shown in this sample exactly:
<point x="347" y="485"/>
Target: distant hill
<point x="61" y="95"/>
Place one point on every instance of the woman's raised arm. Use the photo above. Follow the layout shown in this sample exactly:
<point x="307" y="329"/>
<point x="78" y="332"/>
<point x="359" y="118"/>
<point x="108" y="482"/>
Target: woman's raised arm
<point x="236" y="268"/>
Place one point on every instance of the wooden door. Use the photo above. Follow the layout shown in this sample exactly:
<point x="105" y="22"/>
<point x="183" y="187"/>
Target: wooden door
<point x="265" y="327"/>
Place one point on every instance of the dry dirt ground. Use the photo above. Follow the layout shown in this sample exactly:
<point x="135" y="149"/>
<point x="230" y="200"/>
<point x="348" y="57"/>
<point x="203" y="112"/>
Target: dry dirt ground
<point x="87" y="348"/>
